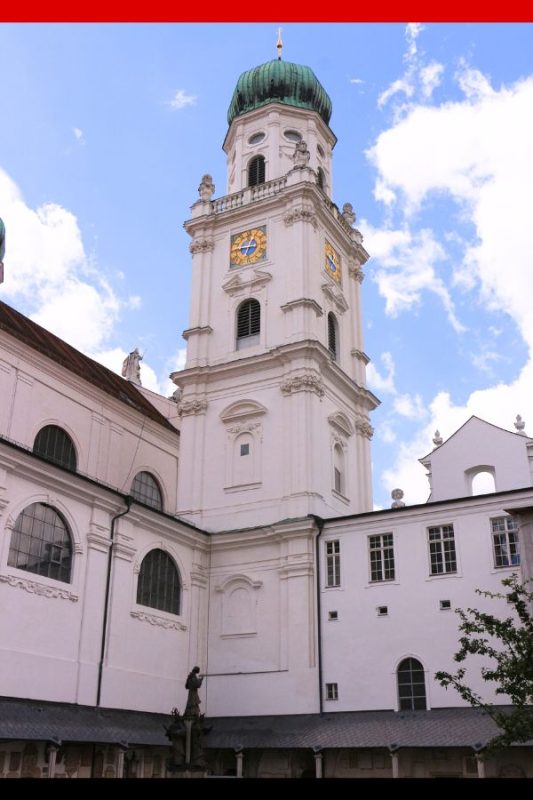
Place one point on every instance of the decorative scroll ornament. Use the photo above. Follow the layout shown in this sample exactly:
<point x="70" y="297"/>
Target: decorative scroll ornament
<point x="364" y="428"/>
<point x="201" y="246"/>
<point x="303" y="383"/>
<point x="160" y="622"/>
<point x="196" y="406"/>
<point x="39" y="589"/>
<point x="300" y="214"/>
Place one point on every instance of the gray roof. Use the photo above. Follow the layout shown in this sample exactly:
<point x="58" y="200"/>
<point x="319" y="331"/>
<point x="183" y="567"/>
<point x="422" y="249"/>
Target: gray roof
<point x="442" y="727"/>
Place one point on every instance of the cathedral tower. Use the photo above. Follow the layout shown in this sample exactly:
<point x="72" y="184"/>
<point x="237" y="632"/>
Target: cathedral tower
<point x="274" y="409"/>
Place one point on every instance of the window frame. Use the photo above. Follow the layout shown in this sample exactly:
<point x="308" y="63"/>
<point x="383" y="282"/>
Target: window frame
<point x="439" y="550"/>
<point x="510" y="549"/>
<point x="61" y="553"/>
<point x="333" y="563"/>
<point x="252" y="324"/>
<point x="380" y="563"/>
<point x="257" y="163"/>
<point x="412" y="683"/>
<point x="164" y="605"/>
<point x="144" y="497"/>
<point x="55" y="438"/>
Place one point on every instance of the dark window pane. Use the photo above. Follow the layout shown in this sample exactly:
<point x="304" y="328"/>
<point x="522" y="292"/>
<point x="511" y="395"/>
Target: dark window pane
<point x="146" y="490"/>
<point x="256" y="171"/>
<point x="332" y="335"/>
<point x="33" y="550"/>
<point x="159" y="584"/>
<point x="55" y="444"/>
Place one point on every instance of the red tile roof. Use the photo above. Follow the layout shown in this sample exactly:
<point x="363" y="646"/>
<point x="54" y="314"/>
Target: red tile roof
<point x="16" y="324"/>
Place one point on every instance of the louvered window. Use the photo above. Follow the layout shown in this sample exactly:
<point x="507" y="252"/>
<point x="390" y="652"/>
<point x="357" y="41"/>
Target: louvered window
<point x="256" y="171"/>
<point x="248" y="323"/>
<point x="332" y="335"/>
<point x="320" y="178"/>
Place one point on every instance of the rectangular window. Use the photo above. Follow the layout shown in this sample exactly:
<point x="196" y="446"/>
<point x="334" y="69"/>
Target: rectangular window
<point x="381" y="551"/>
<point x="332" y="691"/>
<point x="245" y="449"/>
<point x="338" y="480"/>
<point x="333" y="563"/>
<point x="442" y="550"/>
<point x="505" y="542"/>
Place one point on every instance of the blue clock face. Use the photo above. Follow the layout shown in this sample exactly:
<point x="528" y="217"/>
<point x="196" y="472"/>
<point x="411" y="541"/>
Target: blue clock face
<point x="248" y="247"/>
<point x="331" y="264"/>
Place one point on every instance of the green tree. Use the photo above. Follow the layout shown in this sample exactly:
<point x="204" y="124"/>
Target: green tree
<point x="507" y="644"/>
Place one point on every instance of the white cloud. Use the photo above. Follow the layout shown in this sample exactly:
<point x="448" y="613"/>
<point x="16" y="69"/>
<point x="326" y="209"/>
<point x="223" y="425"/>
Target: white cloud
<point x="181" y="100"/>
<point x="378" y="382"/>
<point x="356" y="80"/>
<point x="476" y="151"/>
<point x="430" y="78"/>
<point x="410" y="406"/>
<point x="78" y="135"/>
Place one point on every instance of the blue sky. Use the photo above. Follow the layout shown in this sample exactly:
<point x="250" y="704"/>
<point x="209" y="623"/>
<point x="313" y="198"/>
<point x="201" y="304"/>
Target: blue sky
<point x="106" y="130"/>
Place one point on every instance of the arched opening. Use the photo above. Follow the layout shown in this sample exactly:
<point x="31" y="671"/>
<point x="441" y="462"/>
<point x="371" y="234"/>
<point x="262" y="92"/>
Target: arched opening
<point x="54" y="444"/>
<point x="483" y="482"/>
<point x="411" y="685"/>
<point x="256" y="171"/>
<point x="159" y="583"/>
<point x="248" y="323"/>
<point x="41" y="543"/>
<point x="146" y="490"/>
<point x="333" y="337"/>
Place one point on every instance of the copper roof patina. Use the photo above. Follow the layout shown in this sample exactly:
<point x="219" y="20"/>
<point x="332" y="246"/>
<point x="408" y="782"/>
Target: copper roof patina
<point x="279" y="82"/>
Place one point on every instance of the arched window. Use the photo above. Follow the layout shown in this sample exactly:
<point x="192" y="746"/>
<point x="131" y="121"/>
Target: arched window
<point x="248" y="323"/>
<point x="333" y="329"/>
<point x="338" y="469"/>
<point x="159" y="583"/>
<point x="146" y="490"/>
<point x="41" y="543"/>
<point x="256" y="171"/>
<point x="411" y="685"/>
<point x="320" y="179"/>
<point x="54" y="444"/>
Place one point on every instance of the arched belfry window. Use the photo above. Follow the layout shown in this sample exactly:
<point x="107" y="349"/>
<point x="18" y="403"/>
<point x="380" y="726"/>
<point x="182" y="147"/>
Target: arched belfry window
<point x="320" y="179"/>
<point x="41" y="543"/>
<point x="333" y="330"/>
<point x="146" y="490"/>
<point x="54" y="444"/>
<point x="248" y="323"/>
<point x="256" y="171"/>
<point x="411" y="685"/>
<point x="159" y="583"/>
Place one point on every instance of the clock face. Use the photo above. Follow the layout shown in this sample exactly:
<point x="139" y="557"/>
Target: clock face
<point x="333" y="262"/>
<point x="248" y="247"/>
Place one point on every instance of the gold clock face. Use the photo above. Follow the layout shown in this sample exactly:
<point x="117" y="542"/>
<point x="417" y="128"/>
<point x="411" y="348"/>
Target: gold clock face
<point x="248" y="247"/>
<point x="333" y="263"/>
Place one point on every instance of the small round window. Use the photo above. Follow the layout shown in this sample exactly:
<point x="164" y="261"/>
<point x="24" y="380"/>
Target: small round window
<point x="292" y="136"/>
<point x="320" y="151"/>
<point x="256" y="138"/>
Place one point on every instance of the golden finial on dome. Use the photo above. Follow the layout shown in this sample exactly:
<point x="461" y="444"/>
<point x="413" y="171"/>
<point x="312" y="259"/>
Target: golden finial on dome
<point x="279" y="44"/>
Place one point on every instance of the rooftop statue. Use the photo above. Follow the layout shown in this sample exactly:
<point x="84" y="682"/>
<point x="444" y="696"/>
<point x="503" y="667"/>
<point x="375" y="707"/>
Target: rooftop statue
<point x="131" y="367"/>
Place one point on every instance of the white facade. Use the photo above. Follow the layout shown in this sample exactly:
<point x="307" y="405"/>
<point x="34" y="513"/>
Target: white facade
<point x="265" y="490"/>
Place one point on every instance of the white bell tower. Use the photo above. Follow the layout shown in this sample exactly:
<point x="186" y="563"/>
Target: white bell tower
<point x="274" y="408"/>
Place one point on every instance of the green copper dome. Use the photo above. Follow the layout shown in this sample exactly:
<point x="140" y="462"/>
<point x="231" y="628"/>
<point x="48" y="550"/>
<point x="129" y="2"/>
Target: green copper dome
<point x="279" y="82"/>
